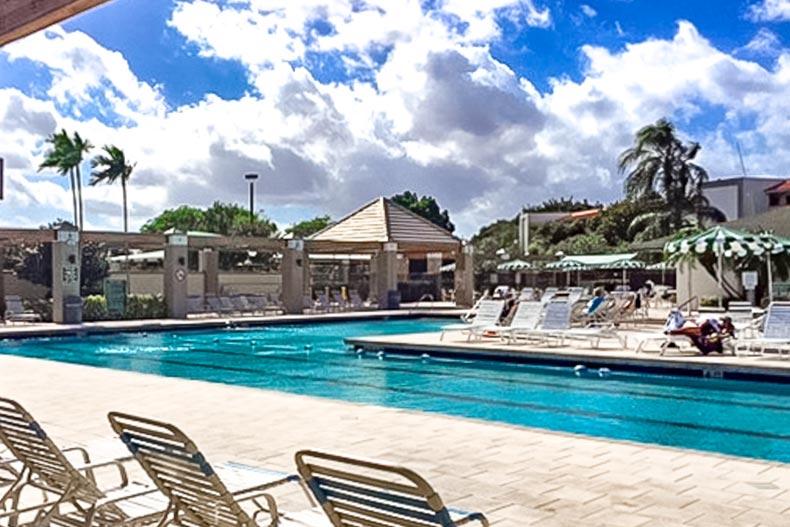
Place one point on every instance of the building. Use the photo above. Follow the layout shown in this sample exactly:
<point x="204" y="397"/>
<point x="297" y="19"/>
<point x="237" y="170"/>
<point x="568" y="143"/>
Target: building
<point x="779" y="194"/>
<point x="740" y="197"/>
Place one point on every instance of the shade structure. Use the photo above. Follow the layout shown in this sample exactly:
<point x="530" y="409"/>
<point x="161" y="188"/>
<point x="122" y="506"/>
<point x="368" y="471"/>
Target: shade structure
<point x="731" y="244"/>
<point x="661" y="266"/>
<point x="514" y="265"/>
<point x="566" y="265"/>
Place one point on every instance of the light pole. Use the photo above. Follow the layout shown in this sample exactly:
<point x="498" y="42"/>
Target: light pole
<point x="251" y="178"/>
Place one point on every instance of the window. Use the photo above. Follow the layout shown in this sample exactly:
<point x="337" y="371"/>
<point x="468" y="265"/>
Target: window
<point x="773" y="200"/>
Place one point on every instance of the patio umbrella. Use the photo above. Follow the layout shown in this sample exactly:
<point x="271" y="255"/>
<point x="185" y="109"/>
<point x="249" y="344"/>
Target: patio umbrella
<point x="723" y="242"/>
<point x="567" y="265"/>
<point x="661" y="266"/>
<point x="514" y="265"/>
<point x="773" y="245"/>
<point x="625" y="265"/>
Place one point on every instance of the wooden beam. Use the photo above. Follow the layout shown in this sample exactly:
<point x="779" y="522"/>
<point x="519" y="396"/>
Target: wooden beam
<point x="19" y="18"/>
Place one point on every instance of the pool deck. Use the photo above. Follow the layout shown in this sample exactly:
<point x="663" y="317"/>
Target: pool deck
<point x="609" y="354"/>
<point x="518" y="476"/>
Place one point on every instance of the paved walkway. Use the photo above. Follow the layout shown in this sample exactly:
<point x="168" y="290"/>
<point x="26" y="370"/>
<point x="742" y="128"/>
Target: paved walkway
<point x="517" y="476"/>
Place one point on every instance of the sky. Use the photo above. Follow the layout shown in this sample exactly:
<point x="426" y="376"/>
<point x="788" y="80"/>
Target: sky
<point x="488" y="105"/>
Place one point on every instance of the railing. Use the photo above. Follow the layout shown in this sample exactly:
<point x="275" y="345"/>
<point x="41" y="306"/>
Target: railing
<point x="689" y="303"/>
<point x="426" y="296"/>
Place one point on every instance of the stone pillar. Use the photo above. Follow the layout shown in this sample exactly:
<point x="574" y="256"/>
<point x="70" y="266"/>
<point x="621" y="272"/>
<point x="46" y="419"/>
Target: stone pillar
<point x="208" y="264"/>
<point x="465" y="277"/>
<point x="66" y="299"/>
<point x="307" y="288"/>
<point x="2" y="279"/>
<point x="292" y="269"/>
<point x="176" y="273"/>
<point x="387" y="273"/>
<point x="433" y="267"/>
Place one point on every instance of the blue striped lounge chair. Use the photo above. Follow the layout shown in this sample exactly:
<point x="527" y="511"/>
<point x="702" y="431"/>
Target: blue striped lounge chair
<point x="354" y="492"/>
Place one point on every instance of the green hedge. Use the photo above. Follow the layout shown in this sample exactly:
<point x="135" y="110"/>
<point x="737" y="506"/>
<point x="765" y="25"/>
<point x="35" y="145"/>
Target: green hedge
<point x="138" y="307"/>
<point x="94" y="308"/>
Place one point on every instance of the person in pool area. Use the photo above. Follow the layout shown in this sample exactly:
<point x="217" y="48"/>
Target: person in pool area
<point x="707" y="336"/>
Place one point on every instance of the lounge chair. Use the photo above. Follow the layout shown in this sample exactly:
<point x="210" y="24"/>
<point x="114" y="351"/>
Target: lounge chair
<point x="527" y="294"/>
<point x="488" y="314"/>
<point x="742" y="316"/>
<point x="775" y="335"/>
<point x="548" y="294"/>
<point x="340" y="301"/>
<point x="73" y="497"/>
<point x="196" y="304"/>
<point x="556" y="324"/>
<point x="355" y="492"/>
<point x="198" y="494"/>
<point x="15" y="311"/>
<point x="215" y="305"/>
<point x="526" y="318"/>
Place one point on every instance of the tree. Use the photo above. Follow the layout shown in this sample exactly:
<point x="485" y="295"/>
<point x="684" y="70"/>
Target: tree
<point x="66" y="156"/>
<point x="662" y="175"/>
<point x="111" y="167"/>
<point x="219" y="218"/>
<point x="79" y="147"/>
<point x="425" y="206"/>
<point x="306" y="228"/>
<point x="56" y="158"/>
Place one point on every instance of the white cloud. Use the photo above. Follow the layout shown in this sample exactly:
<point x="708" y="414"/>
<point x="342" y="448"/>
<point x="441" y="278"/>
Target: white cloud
<point x="588" y="11"/>
<point x="770" y="11"/>
<point x="764" y="42"/>
<point x="441" y="116"/>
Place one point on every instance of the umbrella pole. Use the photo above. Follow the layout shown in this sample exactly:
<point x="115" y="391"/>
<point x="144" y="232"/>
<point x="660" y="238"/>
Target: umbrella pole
<point x="720" y="269"/>
<point x="624" y="276"/>
<point x="770" y="279"/>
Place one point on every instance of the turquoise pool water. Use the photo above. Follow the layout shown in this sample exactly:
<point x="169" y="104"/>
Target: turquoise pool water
<point x="733" y="417"/>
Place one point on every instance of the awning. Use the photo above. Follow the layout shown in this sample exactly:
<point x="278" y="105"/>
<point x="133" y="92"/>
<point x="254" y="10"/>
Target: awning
<point x="150" y="256"/>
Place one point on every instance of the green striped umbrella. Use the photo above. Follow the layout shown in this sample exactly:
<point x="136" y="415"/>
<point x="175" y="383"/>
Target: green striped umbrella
<point x="514" y="265"/>
<point x="566" y="265"/>
<point x="625" y="265"/>
<point x="729" y="243"/>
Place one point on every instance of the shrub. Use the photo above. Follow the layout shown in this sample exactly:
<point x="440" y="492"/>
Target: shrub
<point x="145" y="306"/>
<point x="709" y="301"/>
<point x="94" y="308"/>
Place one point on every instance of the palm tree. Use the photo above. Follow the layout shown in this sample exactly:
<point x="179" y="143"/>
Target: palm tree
<point x="57" y="158"/>
<point x="662" y="175"/>
<point x="110" y="167"/>
<point x="79" y="147"/>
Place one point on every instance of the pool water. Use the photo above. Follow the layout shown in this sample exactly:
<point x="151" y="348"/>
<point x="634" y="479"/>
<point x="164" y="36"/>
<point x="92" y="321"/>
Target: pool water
<point x="733" y="417"/>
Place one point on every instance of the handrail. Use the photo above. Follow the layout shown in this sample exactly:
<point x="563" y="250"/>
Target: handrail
<point x="688" y="303"/>
<point x="426" y="296"/>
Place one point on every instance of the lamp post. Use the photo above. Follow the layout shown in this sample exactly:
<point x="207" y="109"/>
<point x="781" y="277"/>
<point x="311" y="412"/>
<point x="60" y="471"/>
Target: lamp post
<point x="251" y="178"/>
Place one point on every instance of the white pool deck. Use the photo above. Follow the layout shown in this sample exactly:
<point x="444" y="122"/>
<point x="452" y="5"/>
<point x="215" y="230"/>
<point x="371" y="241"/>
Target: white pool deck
<point x="518" y="476"/>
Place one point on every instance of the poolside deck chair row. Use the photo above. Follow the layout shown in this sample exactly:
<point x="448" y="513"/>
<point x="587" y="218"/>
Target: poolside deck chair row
<point x="336" y="302"/>
<point x="233" y="305"/>
<point x="186" y="490"/>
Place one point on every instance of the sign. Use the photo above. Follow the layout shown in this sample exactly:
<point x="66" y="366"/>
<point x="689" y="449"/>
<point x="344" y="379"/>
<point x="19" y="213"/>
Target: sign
<point x="181" y="275"/>
<point x="116" y="294"/>
<point x="749" y="280"/>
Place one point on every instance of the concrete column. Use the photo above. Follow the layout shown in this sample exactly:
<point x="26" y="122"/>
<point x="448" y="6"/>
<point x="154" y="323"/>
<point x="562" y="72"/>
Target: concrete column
<point x="176" y="272"/>
<point x="2" y="279"/>
<point x="387" y="273"/>
<point x="465" y="277"/>
<point x="66" y="299"/>
<point x="307" y="288"/>
<point x="292" y="269"/>
<point x="208" y="264"/>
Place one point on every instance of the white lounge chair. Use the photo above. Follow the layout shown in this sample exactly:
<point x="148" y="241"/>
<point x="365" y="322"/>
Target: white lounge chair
<point x="15" y="311"/>
<point x="775" y="336"/>
<point x="488" y="314"/>
<point x="526" y="318"/>
<point x="556" y="324"/>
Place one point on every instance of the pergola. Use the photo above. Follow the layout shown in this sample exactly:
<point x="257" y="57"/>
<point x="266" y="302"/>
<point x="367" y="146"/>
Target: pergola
<point x="19" y="18"/>
<point x="380" y="229"/>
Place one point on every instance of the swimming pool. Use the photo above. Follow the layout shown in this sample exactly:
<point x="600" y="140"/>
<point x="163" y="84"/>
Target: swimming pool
<point x="734" y="417"/>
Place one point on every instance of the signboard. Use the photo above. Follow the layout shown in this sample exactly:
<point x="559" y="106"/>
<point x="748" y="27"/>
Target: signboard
<point x="116" y="294"/>
<point x="749" y="280"/>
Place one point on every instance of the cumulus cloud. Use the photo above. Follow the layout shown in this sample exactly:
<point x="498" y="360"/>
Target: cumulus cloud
<point x="770" y="11"/>
<point x="436" y="113"/>
<point x="765" y="42"/>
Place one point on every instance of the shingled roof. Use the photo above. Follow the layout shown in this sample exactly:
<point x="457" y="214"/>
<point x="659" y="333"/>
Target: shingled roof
<point x="383" y="221"/>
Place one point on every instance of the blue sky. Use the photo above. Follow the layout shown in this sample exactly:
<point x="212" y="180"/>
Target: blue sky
<point x="486" y="105"/>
